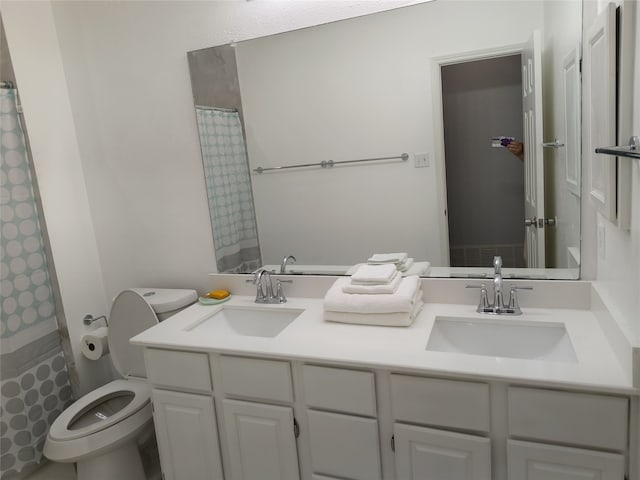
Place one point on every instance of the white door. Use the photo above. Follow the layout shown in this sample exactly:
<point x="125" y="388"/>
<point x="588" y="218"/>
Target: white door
<point x="187" y="436"/>
<point x="533" y="151"/>
<point x="424" y="453"/>
<point x="533" y="461"/>
<point x="261" y="441"/>
<point x="344" y="446"/>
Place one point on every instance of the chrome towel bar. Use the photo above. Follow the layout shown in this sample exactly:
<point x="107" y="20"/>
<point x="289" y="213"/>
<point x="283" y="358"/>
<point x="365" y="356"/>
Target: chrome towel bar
<point x="632" y="150"/>
<point x="330" y="163"/>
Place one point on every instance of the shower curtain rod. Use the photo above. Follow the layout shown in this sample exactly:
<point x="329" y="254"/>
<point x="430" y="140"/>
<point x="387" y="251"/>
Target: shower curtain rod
<point x="219" y="109"/>
<point x="330" y="163"/>
<point x="7" y="84"/>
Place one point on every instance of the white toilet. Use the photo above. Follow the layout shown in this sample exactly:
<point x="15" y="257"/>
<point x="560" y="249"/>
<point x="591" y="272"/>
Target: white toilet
<point x="100" y="431"/>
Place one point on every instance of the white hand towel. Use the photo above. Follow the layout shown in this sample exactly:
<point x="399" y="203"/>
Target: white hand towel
<point x="403" y="300"/>
<point x="402" y="319"/>
<point x="382" y="288"/>
<point x="406" y="265"/>
<point x="388" y="258"/>
<point x="418" y="268"/>
<point x="374" y="274"/>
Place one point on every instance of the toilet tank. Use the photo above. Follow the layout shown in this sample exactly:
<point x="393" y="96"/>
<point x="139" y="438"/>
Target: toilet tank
<point x="167" y="301"/>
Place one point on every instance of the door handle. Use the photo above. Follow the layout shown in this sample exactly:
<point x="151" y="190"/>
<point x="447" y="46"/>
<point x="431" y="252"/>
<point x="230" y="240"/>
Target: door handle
<point x="540" y="222"/>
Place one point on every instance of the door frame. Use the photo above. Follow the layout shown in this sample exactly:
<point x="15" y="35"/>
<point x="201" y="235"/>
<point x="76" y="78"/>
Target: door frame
<point x="438" y="129"/>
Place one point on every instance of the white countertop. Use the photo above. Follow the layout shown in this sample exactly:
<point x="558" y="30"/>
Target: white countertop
<point x="311" y="338"/>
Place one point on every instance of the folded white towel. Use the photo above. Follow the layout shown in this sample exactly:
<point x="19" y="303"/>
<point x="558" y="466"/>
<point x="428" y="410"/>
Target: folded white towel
<point x="403" y="300"/>
<point x="406" y="265"/>
<point x="380" y="288"/>
<point x="387" y="258"/>
<point x="418" y="268"/>
<point x="374" y="274"/>
<point x="402" y="319"/>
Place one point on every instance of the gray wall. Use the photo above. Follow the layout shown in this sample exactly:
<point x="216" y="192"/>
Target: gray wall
<point x="214" y="77"/>
<point x="485" y="185"/>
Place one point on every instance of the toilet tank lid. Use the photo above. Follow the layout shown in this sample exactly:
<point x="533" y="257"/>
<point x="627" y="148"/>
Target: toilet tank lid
<point x="164" y="300"/>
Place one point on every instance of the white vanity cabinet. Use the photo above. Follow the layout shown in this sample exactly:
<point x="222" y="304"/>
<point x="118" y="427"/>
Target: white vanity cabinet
<point x="187" y="435"/>
<point x="261" y="441"/>
<point x="564" y="433"/>
<point x="424" y="412"/>
<point x="342" y="426"/>
<point x="260" y="428"/>
<point x="288" y="419"/>
<point x="185" y="422"/>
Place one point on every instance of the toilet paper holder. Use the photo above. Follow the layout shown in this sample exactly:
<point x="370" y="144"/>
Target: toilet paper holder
<point x="89" y="319"/>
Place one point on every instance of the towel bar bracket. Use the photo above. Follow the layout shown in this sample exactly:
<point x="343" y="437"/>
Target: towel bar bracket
<point x="632" y="150"/>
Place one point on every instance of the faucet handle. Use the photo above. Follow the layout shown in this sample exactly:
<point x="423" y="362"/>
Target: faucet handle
<point x="279" y="292"/>
<point x="484" y="304"/>
<point x="513" y="296"/>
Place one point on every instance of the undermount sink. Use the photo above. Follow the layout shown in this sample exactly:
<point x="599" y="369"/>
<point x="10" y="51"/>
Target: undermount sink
<point x="502" y="338"/>
<point x="247" y="321"/>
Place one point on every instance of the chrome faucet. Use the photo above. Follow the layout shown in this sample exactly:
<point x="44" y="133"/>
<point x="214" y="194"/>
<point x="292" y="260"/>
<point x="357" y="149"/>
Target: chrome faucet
<point x="498" y="307"/>
<point x="498" y="300"/>
<point x="262" y="277"/>
<point x="285" y="262"/>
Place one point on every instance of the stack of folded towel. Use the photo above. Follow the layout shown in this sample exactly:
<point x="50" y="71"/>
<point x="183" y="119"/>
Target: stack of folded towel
<point x="403" y="263"/>
<point x="374" y="295"/>
<point x="400" y="260"/>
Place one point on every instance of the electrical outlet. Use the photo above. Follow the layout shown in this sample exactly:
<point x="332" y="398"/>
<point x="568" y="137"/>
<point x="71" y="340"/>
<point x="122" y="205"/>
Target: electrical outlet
<point x="421" y="160"/>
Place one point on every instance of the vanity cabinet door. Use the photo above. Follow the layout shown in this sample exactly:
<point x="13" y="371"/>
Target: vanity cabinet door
<point x="261" y="441"/>
<point x="344" y="446"/>
<point x="536" y="461"/>
<point x="423" y="453"/>
<point x="187" y="436"/>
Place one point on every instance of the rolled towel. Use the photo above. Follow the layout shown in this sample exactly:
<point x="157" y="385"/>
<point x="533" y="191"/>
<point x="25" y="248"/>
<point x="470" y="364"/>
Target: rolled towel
<point x="387" y="258"/>
<point x="403" y="300"/>
<point x="381" y="288"/>
<point x="374" y="274"/>
<point x="401" y="319"/>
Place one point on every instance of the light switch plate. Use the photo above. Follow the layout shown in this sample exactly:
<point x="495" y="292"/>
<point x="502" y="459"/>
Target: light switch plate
<point x="421" y="160"/>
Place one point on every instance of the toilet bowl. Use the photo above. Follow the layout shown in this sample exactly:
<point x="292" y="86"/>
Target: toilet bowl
<point x="99" y="432"/>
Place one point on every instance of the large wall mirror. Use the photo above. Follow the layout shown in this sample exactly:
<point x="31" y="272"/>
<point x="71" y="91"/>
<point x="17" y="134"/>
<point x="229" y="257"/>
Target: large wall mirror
<point x="449" y="130"/>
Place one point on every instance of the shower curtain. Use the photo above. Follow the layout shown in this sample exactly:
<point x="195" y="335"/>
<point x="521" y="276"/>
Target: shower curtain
<point x="226" y="169"/>
<point x="34" y="384"/>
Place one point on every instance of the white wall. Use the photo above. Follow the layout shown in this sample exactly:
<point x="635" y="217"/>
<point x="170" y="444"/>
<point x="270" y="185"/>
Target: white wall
<point x="616" y="267"/>
<point x="308" y="100"/>
<point x="107" y="101"/>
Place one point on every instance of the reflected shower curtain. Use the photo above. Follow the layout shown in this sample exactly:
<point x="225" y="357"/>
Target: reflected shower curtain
<point x="34" y="382"/>
<point x="226" y="170"/>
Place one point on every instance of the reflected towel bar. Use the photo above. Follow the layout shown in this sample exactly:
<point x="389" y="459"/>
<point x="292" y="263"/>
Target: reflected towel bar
<point x="218" y="109"/>
<point x="631" y="151"/>
<point x="330" y="163"/>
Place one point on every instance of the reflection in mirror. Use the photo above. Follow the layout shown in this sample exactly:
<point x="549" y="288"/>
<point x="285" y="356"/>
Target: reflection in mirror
<point x="439" y="81"/>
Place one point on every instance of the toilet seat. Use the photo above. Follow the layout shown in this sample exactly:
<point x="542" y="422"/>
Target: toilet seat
<point x="63" y="429"/>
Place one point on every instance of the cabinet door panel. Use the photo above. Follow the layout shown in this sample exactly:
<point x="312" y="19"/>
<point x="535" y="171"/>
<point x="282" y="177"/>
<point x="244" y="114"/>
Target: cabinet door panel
<point x="534" y="461"/>
<point x="187" y="436"/>
<point x="344" y="446"/>
<point x="261" y="441"/>
<point x="423" y="453"/>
